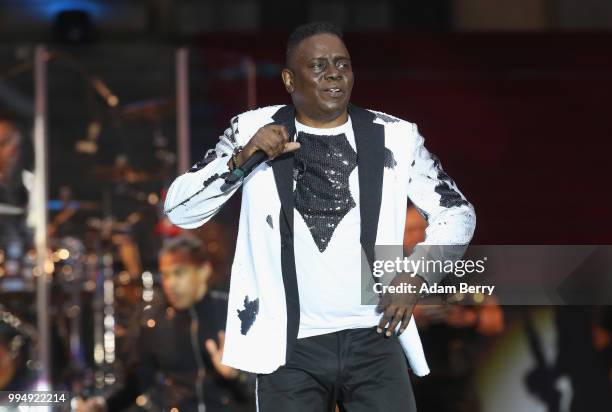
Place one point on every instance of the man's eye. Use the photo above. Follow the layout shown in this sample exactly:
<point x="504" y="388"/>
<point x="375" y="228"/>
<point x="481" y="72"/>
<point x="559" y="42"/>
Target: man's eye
<point x="343" y="65"/>
<point x="317" y="66"/>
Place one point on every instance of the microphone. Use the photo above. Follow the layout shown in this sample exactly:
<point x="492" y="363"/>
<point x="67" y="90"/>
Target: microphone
<point x="247" y="167"/>
<point x="231" y="178"/>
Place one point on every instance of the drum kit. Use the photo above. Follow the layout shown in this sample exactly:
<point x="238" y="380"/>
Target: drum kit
<point x="94" y="258"/>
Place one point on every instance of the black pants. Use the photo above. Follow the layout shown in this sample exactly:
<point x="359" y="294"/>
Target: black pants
<point x="358" y="369"/>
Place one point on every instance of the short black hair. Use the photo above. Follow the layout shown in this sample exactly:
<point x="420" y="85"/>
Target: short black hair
<point x="187" y="245"/>
<point x="308" y="30"/>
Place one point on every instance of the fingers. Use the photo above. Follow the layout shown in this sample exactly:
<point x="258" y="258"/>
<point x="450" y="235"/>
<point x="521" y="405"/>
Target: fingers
<point x="405" y="321"/>
<point x="221" y="335"/>
<point x="273" y="140"/>
<point x="90" y="405"/>
<point x="280" y="141"/>
<point x="291" y="147"/>
<point x="211" y="347"/>
<point x="386" y="318"/>
<point x="280" y="130"/>
<point x="392" y="317"/>
<point x="395" y="320"/>
<point x="383" y="302"/>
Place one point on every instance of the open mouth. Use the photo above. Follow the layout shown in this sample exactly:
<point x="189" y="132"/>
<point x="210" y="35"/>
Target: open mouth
<point x="334" y="91"/>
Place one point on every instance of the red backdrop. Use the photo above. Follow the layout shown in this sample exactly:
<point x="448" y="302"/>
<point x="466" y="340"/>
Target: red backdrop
<point x="523" y="123"/>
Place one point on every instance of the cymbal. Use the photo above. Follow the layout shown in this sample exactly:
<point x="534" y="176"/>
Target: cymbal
<point x="123" y="175"/>
<point x="6" y="209"/>
<point x="150" y="110"/>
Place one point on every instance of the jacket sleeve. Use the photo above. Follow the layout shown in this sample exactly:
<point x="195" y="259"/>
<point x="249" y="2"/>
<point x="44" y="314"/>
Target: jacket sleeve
<point x="451" y="218"/>
<point x="196" y="196"/>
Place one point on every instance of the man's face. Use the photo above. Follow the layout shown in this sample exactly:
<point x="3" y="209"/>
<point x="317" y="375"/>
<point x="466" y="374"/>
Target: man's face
<point x="181" y="279"/>
<point x="320" y="78"/>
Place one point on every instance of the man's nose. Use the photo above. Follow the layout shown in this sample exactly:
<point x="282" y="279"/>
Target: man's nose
<point x="332" y="72"/>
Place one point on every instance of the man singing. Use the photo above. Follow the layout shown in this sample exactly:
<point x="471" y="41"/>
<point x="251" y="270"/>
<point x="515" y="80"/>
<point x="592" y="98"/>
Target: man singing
<point x="336" y="183"/>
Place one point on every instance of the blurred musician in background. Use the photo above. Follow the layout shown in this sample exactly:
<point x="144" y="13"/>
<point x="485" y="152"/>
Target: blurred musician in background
<point x="177" y="363"/>
<point x="11" y="186"/>
<point x="16" y="180"/>
<point x="16" y="223"/>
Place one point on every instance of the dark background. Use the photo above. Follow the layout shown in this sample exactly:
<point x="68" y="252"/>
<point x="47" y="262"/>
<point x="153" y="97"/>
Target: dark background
<point x="520" y="121"/>
<point x="512" y="96"/>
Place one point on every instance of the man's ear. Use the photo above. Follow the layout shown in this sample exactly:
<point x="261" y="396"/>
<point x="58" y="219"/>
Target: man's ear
<point x="206" y="271"/>
<point x="287" y="76"/>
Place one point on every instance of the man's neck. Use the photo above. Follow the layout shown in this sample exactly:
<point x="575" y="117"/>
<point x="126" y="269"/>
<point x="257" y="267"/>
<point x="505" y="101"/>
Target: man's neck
<point x="322" y="124"/>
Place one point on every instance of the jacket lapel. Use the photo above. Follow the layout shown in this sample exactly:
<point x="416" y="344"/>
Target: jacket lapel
<point x="370" y="142"/>
<point x="283" y="166"/>
<point x="283" y="175"/>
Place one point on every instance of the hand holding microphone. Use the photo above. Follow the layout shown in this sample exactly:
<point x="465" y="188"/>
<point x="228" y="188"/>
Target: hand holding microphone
<point x="270" y="141"/>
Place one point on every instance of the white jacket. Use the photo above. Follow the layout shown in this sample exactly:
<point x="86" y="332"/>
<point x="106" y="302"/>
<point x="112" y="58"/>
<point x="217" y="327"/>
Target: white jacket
<point x="393" y="166"/>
